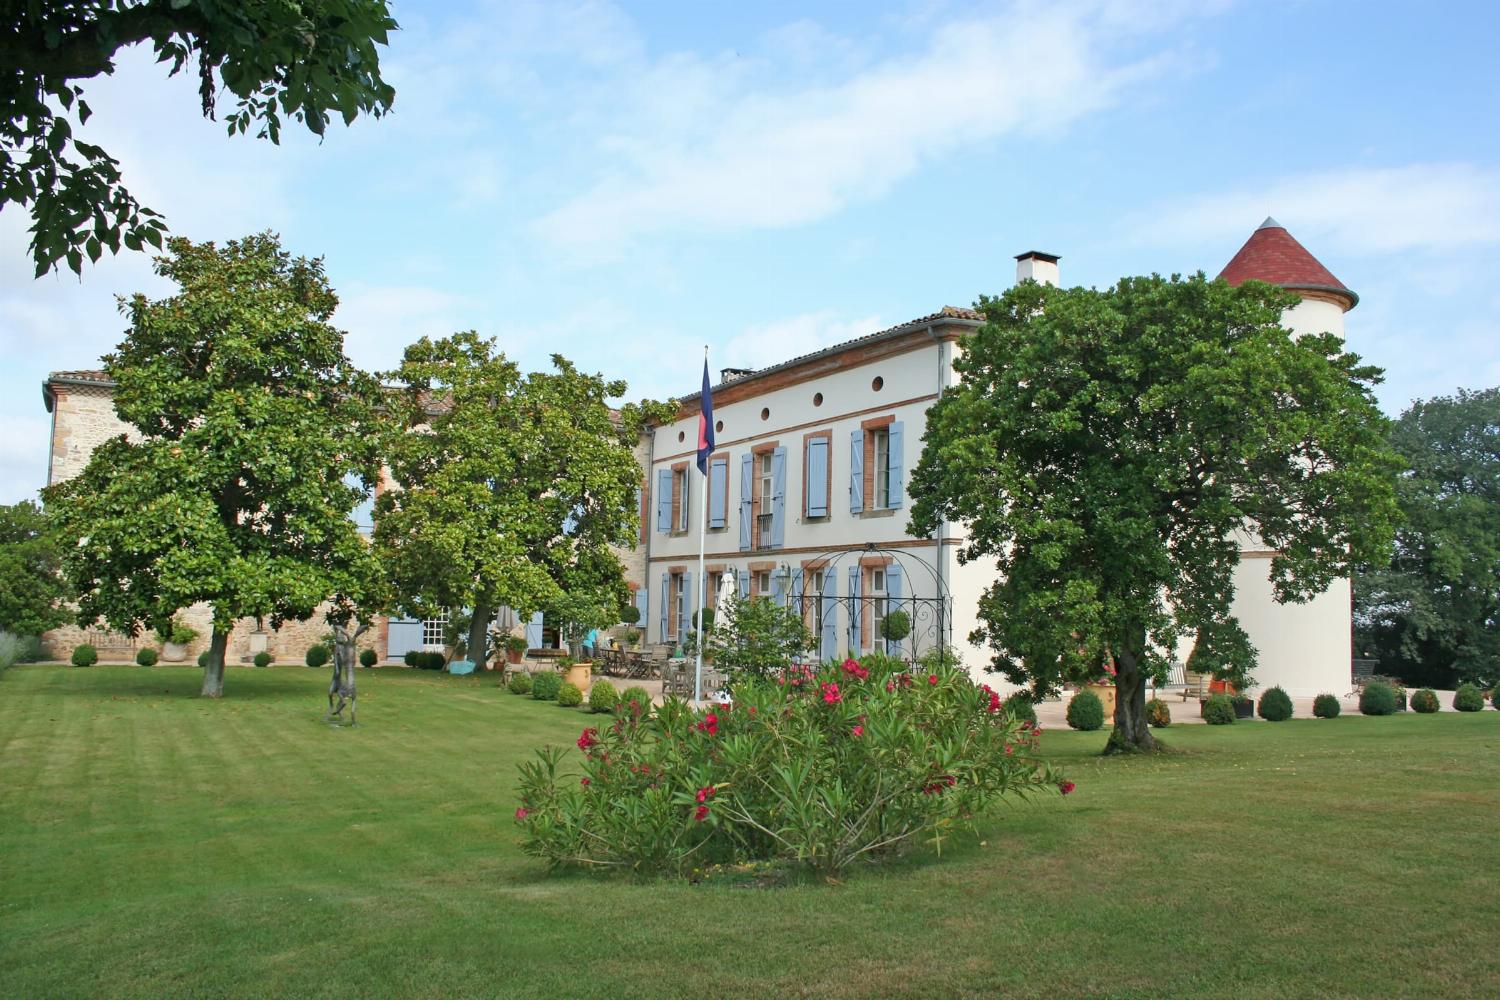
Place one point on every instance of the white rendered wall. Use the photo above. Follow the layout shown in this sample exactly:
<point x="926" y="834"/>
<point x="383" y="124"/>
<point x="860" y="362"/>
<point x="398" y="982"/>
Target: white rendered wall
<point x="1314" y="316"/>
<point x="1304" y="648"/>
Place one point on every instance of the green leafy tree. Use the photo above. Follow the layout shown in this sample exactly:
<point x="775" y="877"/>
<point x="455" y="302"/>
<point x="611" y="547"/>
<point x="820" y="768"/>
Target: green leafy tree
<point x="1432" y="613"/>
<point x="255" y="437"/>
<point x="1104" y="447"/>
<point x="510" y="488"/>
<point x="31" y="584"/>
<point x="309" y="60"/>
<point x="757" y="636"/>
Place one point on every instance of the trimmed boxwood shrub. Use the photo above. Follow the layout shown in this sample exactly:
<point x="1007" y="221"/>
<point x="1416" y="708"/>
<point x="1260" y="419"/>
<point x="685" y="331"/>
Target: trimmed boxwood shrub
<point x="1158" y="715"/>
<point x="1218" y="710"/>
<point x="203" y="658"/>
<point x="85" y="656"/>
<point x="1020" y="708"/>
<point x="1468" y="699"/>
<point x="519" y="683"/>
<point x="263" y="659"/>
<point x="1425" y="701"/>
<point x="410" y="659"/>
<point x="544" y="686"/>
<point x="603" y="697"/>
<point x="634" y="701"/>
<point x="1377" y="698"/>
<point x="1275" y="705"/>
<point x="1086" y="712"/>
<point x="146" y="657"/>
<point x="1326" y="706"/>
<point x="317" y="655"/>
<point x="368" y="658"/>
<point x="570" y="695"/>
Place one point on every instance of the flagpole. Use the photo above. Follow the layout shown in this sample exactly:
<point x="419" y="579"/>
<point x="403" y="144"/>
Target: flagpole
<point x="702" y="581"/>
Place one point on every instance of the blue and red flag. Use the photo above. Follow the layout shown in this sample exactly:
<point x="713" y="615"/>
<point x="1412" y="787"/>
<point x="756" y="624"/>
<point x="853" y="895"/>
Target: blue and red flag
<point x="705" y="423"/>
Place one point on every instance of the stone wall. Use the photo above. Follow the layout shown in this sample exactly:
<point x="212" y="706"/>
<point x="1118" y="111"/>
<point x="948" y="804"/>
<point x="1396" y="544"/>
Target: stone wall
<point x="83" y="417"/>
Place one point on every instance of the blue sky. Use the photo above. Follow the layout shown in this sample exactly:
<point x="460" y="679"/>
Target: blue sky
<point x="625" y="183"/>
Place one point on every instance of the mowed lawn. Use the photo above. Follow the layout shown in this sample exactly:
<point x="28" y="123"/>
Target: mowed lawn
<point x="155" y="845"/>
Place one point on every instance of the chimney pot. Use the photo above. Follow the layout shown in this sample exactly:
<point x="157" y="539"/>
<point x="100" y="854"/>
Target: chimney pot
<point x="1034" y="265"/>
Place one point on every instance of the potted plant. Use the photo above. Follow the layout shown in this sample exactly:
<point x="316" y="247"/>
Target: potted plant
<point x="1103" y="686"/>
<point x="515" y="648"/>
<point x="175" y="637"/>
<point x="632" y="639"/>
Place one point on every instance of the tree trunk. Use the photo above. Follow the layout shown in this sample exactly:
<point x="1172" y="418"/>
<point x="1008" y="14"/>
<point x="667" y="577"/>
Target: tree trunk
<point x="213" y="670"/>
<point x="479" y="631"/>
<point x="1131" y="733"/>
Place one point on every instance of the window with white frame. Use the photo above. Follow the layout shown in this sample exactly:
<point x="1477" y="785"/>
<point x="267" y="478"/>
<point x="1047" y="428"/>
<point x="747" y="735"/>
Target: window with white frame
<point x="877" y="609"/>
<point x="817" y="594"/>
<point x="680" y="487"/>
<point x="433" y="630"/>
<point x="680" y="597"/>
<point x="767" y="491"/>
<point x="881" y="442"/>
<point x="762" y="583"/>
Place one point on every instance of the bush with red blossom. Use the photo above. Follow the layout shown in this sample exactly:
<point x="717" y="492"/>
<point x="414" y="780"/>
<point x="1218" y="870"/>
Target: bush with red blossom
<point x="821" y="768"/>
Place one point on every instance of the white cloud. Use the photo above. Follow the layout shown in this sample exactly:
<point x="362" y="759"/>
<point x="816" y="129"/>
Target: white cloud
<point x="781" y="340"/>
<point x="1354" y="211"/>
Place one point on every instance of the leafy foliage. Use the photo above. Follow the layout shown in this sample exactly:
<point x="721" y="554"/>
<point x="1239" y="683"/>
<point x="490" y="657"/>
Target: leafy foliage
<point x="546" y="685"/>
<point x="203" y="658"/>
<point x="634" y="700"/>
<point x="85" y="655"/>
<point x="1020" y="707"/>
<point x="1425" y="701"/>
<point x="32" y="590"/>
<point x="146" y="657"/>
<point x="602" y="696"/>
<point x="1468" y="698"/>
<point x="823" y="773"/>
<point x="1104" y="446"/>
<point x="896" y="626"/>
<point x="368" y="657"/>
<point x="317" y="655"/>
<point x="1377" y="698"/>
<point x="1085" y="711"/>
<point x="12" y="650"/>
<point x="1218" y="710"/>
<point x="569" y="695"/>
<point x="176" y="631"/>
<point x="256" y="439"/>
<point x="519" y="683"/>
<point x="1326" y="706"/>
<point x="309" y="60"/>
<point x="1275" y="705"/>
<point x="1158" y="714"/>
<point x="756" y="637"/>
<point x="263" y="659"/>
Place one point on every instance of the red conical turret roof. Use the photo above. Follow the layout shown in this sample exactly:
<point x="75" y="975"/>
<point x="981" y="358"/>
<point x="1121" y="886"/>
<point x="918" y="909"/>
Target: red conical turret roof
<point x="1272" y="255"/>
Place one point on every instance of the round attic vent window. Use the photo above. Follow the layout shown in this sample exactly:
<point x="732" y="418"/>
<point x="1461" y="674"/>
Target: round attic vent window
<point x="765" y="413"/>
<point x="682" y="435"/>
<point x="718" y="426"/>
<point x="877" y="384"/>
<point x="817" y="399"/>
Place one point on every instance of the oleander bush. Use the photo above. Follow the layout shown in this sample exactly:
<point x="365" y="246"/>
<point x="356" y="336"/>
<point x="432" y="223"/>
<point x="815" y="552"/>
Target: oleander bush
<point x="1275" y="705"/>
<point x="603" y="697"/>
<point x="821" y="770"/>
<point x="545" y="685"/>
<point x="1158" y="715"/>
<point x="1218" y="710"/>
<point x="1326" y="706"/>
<point x="85" y="655"/>
<point x="368" y="658"/>
<point x="1085" y="712"/>
<point x="519" y="683"/>
<point x="569" y="695"/>
<point x="263" y="659"/>
<point x="317" y="655"/>
<point x="1468" y="699"/>
<point x="1378" y="698"/>
<point x="146" y="656"/>
<point x="1425" y="701"/>
<point x="1020" y="707"/>
<point x="634" y="700"/>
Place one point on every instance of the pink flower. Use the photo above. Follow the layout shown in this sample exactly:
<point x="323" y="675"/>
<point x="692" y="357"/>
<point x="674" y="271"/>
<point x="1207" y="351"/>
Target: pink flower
<point x="522" y="813"/>
<point x="590" y="738"/>
<point x="994" y="702"/>
<point x="858" y="730"/>
<point x="706" y="792"/>
<point x="584" y="782"/>
<point x="853" y="669"/>
<point x="890" y="685"/>
<point x="831" y="694"/>
<point x="1066" y="787"/>
<point x="709" y="725"/>
<point x="932" y="679"/>
<point x="700" y="814"/>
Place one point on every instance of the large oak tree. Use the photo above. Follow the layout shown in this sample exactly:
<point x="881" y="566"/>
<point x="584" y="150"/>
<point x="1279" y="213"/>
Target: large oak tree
<point x="1107" y="447"/>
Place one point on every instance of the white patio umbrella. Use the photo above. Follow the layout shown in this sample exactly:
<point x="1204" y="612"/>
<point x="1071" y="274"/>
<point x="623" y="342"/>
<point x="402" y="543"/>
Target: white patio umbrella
<point x="723" y="609"/>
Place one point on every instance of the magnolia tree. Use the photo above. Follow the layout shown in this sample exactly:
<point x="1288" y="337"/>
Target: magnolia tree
<point x="510" y="488"/>
<point x="254" y="437"/>
<point x="1106" y="447"/>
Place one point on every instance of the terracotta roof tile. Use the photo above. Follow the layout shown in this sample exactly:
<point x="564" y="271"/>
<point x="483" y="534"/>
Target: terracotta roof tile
<point x="1273" y="255"/>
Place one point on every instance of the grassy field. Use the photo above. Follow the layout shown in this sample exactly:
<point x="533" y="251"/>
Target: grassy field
<point x="153" y="844"/>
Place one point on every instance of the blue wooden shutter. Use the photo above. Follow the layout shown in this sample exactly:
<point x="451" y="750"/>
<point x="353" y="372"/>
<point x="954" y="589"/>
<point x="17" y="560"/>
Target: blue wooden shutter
<point x="718" y="492"/>
<point x="857" y="472"/>
<point x="897" y="487"/>
<point x="664" y="500"/>
<point x="747" y="477"/>
<point x="830" y="638"/>
<point x="534" y="632"/>
<point x="402" y="636"/>
<point x="797" y="592"/>
<point x="778" y="588"/>
<point x="778" y="497"/>
<point x="743" y="589"/>
<point x="666" y="603"/>
<point x="642" y="603"/>
<point x="817" y="477"/>
<point x="893" y="601"/>
<point x="856" y="611"/>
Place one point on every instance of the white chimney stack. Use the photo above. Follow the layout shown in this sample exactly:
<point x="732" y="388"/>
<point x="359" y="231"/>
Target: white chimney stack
<point x="1036" y="266"/>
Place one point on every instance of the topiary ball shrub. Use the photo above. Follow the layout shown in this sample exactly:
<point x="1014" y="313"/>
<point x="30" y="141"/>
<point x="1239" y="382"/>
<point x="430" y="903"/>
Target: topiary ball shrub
<point x="317" y="656"/>
<point x="1377" y="699"/>
<point x="570" y="695"/>
<point x="85" y="656"/>
<point x="263" y="659"/>
<point x="1020" y="708"/>
<point x="1425" y="701"/>
<point x="410" y="659"/>
<point x="519" y="683"/>
<point x="203" y="658"/>
<point x="603" y="697"/>
<point x="634" y="701"/>
<point x="1218" y="710"/>
<point x="1275" y="705"/>
<point x="1158" y="715"/>
<point x="682" y="789"/>
<point x="1086" y="712"/>
<point x="368" y="658"/>
<point x="544" y="686"/>
<point x="1326" y="706"/>
<point x="1468" y="699"/>
<point x="146" y="657"/>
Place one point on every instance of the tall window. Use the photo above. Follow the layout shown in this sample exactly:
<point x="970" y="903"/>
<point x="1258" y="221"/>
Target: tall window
<point x="680" y="487"/>
<point x="877" y="609"/>
<point x="433" y="629"/>
<point x="762" y="586"/>
<point x="680" y="598"/>
<point x="817" y="596"/>
<point x="767" y="486"/>
<point x="882" y="448"/>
